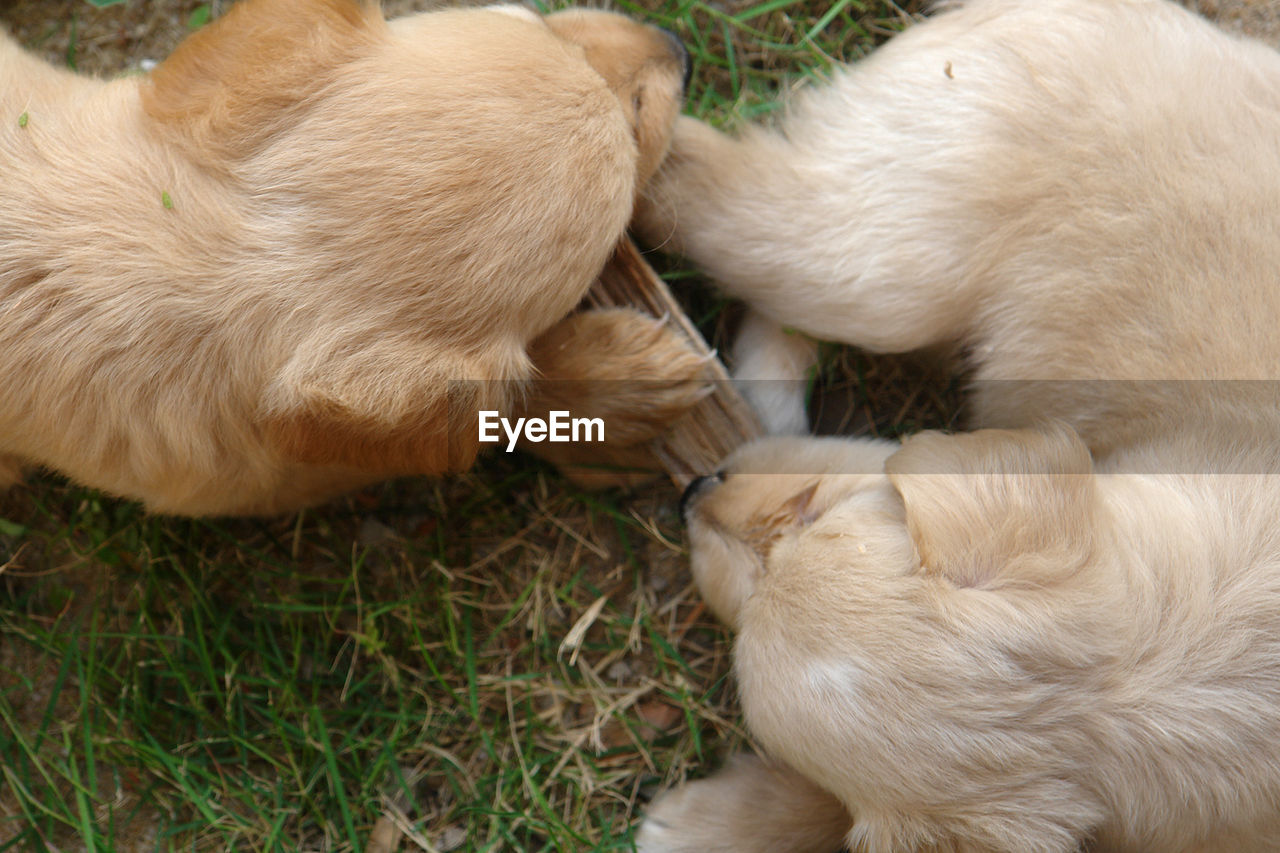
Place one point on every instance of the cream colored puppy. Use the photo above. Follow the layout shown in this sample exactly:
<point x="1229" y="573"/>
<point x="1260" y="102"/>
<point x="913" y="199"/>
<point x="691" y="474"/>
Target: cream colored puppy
<point x="1062" y="632"/>
<point x="302" y="253"/>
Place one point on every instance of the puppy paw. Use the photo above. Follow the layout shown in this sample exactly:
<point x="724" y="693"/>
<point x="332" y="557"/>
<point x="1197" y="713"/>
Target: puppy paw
<point x="751" y="806"/>
<point x="771" y="367"/>
<point x="686" y="820"/>
<point x="688" y="175"/>
<point x="603" y="466"/>
<point x="637" y="374"/>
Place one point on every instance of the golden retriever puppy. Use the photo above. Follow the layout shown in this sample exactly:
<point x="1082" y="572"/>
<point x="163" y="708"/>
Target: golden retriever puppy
<point x="1062" y="629"/>
<point x="308" y="248"/>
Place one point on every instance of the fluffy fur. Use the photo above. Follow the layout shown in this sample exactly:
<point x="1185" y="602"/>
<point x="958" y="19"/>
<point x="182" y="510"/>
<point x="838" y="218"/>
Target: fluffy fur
<point x="1063" y="629"/>
<point x="300" y="254"/>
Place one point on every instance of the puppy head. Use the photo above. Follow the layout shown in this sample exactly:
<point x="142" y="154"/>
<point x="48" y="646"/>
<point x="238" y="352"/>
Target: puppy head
<point x="476" y="165"/>
<point x="643" y="66"/>
<point x="233" y="83"/>
<point x="900" y="631"/>
<point x="765" y="497"/>
<point x="994" y="510"/>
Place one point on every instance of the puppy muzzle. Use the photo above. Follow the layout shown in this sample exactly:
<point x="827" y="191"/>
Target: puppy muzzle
<point x="691" y="492"/>
<point x="681" y="52"/>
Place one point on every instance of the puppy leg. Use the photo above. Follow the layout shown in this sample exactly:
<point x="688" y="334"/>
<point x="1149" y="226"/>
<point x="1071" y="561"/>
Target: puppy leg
<point x="771" y="366"/>
<point x="814" y="243"/>
<point x="634" y="374"/>
<point x="867" y="218"/>
<point x="750" y="806"/>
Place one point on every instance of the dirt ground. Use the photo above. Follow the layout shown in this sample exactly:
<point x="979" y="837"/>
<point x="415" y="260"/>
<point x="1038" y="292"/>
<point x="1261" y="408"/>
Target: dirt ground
<point x="1259" y="18"/>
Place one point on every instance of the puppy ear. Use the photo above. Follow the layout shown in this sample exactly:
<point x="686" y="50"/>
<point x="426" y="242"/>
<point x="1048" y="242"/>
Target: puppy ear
<point x="996" y="508"/>
<point x="228" y="86"/>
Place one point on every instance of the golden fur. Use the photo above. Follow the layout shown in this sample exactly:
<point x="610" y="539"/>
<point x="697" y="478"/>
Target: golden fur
<point x="1062" y="629"/>
<point x="300" y="254"/>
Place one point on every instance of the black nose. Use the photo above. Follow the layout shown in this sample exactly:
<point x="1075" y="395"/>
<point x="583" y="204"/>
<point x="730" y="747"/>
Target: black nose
<point x="698" y="485"/>
<point x="677" y="47"/>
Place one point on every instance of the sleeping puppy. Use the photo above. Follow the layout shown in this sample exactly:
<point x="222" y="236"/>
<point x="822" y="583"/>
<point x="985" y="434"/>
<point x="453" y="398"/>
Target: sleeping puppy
<point x="302" y="253"/>
<point x="1062" y="629"/>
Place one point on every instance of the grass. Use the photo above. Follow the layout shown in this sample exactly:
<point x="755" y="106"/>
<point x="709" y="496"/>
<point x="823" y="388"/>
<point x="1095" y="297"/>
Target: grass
<point x="286" y="684"/>
<point x="492" y="662"/>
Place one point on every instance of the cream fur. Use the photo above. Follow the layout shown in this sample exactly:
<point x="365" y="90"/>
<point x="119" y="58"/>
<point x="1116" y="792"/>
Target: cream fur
<point x="1065" y="631"/>
<point x="367" y="225"/>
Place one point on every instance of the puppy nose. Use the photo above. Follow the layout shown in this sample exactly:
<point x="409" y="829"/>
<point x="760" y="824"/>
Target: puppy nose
<point x="699" y="484"/>
<point x="678" y="48"/>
